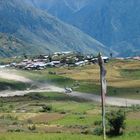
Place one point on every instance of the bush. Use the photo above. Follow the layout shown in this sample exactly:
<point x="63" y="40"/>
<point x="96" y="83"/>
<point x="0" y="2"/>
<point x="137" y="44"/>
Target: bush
<point x="46" y="108"/>
<point x="29" y="121"/>
<point x="63" y="112"/>
<point x="52" y="73"/>
<point x="116" y="122"/>
<point x="32" y="127"/>
<point x="135" y="107"/>
<point x="98" y="131"/>
<point x="15" y="130"/>
<point x="97" y="123"/>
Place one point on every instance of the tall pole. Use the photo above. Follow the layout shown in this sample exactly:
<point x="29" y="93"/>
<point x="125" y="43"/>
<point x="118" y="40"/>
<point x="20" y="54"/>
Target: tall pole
<point x="103" y="92"/>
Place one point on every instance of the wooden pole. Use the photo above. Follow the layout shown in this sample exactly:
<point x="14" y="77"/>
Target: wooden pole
<point x="103" y="92"/>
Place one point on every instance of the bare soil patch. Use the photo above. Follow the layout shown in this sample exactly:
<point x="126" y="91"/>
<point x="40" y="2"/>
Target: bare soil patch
<point x="46" y="117"/>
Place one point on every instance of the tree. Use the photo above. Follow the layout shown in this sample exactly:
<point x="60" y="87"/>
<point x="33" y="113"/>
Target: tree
<point x="25" y="56"/>
<point x="111" y="55"/>
<point x="80" y="56"/>
<point x="116" y="121"/>
<point x="50" y="58"/>
<point x="63" y="60"/>
<point x="71" y="61"/>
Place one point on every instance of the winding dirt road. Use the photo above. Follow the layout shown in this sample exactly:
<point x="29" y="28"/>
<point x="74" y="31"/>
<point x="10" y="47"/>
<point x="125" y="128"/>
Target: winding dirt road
<point x="50" y="88"/>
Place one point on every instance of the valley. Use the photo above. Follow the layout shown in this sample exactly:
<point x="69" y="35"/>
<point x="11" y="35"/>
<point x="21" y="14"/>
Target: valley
<point x="69" y="70"/>
<point x="43" y="108"/>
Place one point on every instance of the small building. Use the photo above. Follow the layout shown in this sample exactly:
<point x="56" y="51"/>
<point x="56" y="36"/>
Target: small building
<point x="80" y="63"/>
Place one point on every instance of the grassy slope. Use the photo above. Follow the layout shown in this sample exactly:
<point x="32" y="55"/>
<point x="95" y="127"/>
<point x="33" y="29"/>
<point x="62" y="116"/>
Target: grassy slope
<point x="13" y="85"/>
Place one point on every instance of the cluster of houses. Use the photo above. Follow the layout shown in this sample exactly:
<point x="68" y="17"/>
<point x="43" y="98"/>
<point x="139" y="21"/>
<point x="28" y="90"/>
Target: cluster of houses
<point x="57" y="59"/>
<point x="60" y="59"/>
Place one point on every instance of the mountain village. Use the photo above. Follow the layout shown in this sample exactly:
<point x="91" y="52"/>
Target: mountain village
<point x="57" y="59"/>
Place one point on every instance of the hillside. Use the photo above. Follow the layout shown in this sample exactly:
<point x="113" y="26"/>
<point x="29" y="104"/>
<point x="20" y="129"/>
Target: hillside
<point x="12" y="46"/>
<point x="115" y="23"/>
<point x="42" y="31"/>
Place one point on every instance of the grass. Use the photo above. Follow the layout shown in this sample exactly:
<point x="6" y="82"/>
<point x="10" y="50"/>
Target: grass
<point x="40" y="136"/>
<point x="78" y="120"/>
<point x="5" y="61"/>
<point x="131" y="73"/>
<point x="13" y="85"/>
<point x="68" y="118"/>
<point x="43" y="76"/>
<point x="23" y="136"/>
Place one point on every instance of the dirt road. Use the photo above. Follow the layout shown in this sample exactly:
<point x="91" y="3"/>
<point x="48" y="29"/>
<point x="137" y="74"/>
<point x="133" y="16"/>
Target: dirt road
<point x="109" y="100"/>
<point x="10" y="75"/>
<point x="50" y="88"/>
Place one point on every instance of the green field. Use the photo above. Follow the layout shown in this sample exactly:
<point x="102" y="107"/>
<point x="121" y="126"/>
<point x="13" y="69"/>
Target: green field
<point x="13" y="85"/>
<point x="69" y="118"/>
<point x="40" y="136"/>
<point x="55" y="116"/>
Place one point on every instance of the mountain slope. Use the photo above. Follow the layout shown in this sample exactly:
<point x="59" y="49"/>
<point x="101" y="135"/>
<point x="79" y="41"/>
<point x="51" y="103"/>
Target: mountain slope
<point x="42" y="31"/>
<point x="115" y="23"/>
<point x="9" y="44"/>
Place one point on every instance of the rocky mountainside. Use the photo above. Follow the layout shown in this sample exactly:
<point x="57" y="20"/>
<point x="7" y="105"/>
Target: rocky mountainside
<point x="10" y="45"/>
<point x="115" y="23"/>
<point x="42" y="32"/>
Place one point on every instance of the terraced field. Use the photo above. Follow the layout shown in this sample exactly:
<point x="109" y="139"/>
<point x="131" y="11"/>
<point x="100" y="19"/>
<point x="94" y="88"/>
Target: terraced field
<point x="38" y="115"/>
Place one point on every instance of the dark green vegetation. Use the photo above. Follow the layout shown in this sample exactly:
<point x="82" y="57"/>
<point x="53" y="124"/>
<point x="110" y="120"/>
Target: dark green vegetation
<point x="13" y="85"/>
<point x="112" y="22"/>
<point x="36" y="32"/>
<point x="116" y="121"/>
<point x="131" y="73"/>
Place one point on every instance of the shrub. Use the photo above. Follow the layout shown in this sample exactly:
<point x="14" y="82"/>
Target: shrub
<point x="82" y="117"/>
<point x="29" y="121"/>
<point x="97" y="123"/>
<point x="15" y="130"/>
<point x="135" y="107"/>
<point x="1" y="104"/>
<point x="46" y="108"/>
<point x="98" y="131"/>
<point x="52" y="73"/>
<point x="63" y="112"/>
<point x="32" y="127"/>
<point x="116" y="122"/>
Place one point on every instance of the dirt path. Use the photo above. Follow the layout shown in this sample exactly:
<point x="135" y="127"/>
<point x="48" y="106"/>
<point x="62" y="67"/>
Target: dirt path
<point x="10" y="75"/>
<point x="109" y="100"/>
<point x="50" y="88"/>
